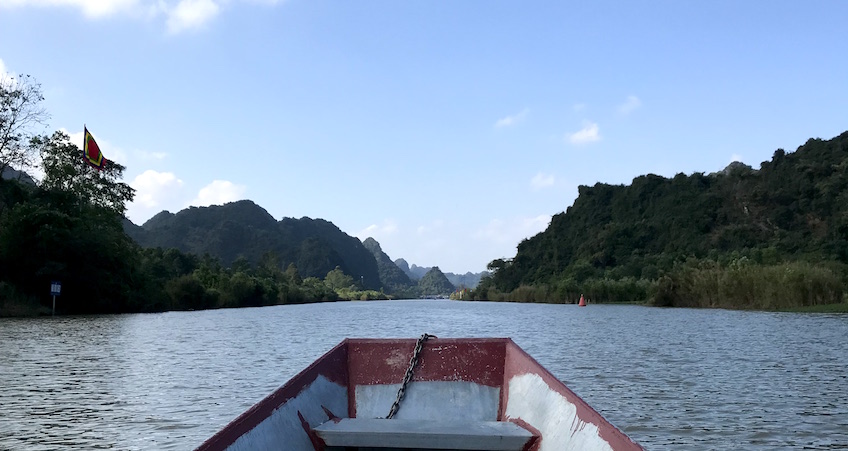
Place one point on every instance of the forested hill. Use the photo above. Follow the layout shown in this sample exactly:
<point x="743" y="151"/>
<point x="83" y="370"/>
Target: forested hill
<point x="794" y="207"/>
<point x="244" y="229"/>
<point x="435" y="283"/>
<point x="416" y="273"/>
<point x="394" y="280"/>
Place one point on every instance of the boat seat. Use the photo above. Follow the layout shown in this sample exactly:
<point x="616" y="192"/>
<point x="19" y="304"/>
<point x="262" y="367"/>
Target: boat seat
<point x="423" y="434"/>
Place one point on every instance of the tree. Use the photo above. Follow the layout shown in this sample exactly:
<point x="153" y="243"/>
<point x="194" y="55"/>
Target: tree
<point x="65" y="170"/>
<point x="55" y="237"/>
<point x="292" y="275"/>
<point x="70" y="228"/>
<point x="497" y="264"/>
<point x="435" y="283"/>
<point x="20" y="110"/>
<point x="337" y="279"/>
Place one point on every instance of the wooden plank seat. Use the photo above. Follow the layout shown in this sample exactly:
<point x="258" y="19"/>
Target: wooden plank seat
<point x="424" y="434"/>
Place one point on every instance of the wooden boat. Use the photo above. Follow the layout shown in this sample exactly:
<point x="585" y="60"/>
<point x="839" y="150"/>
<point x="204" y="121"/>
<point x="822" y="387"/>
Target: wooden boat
<point x="429" y="394"/>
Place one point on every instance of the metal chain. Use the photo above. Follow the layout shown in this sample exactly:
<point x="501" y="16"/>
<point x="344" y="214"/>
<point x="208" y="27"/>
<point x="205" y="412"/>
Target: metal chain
<point x="408" y="376"/>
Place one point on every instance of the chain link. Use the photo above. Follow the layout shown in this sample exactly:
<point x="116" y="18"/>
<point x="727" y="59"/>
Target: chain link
<point x="408" y="376"/>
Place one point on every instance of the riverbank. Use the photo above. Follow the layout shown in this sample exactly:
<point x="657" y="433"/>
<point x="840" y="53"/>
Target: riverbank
<point x="12" y="309"/>
<point x="825" y="308"/>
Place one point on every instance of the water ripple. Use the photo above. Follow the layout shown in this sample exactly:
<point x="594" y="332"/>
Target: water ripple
<point x="673" y="379"/>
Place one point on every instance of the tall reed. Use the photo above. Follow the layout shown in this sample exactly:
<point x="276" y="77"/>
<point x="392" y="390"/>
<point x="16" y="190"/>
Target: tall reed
<point x="748" y="286"/>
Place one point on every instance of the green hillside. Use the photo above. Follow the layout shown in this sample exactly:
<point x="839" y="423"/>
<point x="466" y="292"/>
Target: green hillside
<point x="392" y="278"/>
<point x="794" y="208"/>
<point x="434" y="283"/>
<point x="245" y="230"/>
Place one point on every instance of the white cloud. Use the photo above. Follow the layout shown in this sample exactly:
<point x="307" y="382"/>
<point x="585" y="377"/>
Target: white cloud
<point x="388" y="227"/>
<point x="629" y="105"/>
<point x="589" y="133"/>
<point x="179" y="15"/>
<point x="512" y="120"/>
<point x="154" y="192"/>
<point x="90" y="8"/>
<point x="76" y="137"/>
<point x="736" y="157"/>
<point x="500" y="232"/>
<point x="191" y="14"/>
<point x="7" y="79"/>
<point x="152" y="187"/>
<point x="218" y="192"/>
<point x="542" y="180"/>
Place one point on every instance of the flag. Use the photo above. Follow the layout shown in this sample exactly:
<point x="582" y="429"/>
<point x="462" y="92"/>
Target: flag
<point x="92" y="153"/>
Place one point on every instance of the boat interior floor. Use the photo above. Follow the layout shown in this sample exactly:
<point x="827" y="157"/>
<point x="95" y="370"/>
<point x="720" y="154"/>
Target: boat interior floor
<point x="371" y="448"/>
<point x="374" y="434"/>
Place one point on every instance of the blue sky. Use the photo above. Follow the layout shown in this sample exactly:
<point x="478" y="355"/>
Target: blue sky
<point x="447" y="130"/>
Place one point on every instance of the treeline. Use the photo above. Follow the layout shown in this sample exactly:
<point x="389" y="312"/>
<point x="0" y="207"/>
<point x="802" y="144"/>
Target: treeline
<point x="174" y="280"/>
<point x="68" y="227"/>
<point x="771" y="238"/>
<point x="51" y="235"/>
<point x="743" y="283"/>
<point x="244" y="229"/>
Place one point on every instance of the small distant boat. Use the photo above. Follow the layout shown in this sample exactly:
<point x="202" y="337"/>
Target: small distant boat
<point x="429" y="394"/>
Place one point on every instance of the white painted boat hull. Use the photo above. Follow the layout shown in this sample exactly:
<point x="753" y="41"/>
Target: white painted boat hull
<point x="465" y="393"/>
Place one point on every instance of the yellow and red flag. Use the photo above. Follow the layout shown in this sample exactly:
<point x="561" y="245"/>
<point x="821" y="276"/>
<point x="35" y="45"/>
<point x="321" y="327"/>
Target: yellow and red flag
<point x="91" y="152"/>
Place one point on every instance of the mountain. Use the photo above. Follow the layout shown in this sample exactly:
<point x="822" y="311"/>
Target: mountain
<point x="415" y="273"/>
<point x="467" y="280"/>
<point x="794" y="207"/>
<point x="434" y="283"/>
<point x="392" y="277"/>
<point x="244" y="229"/>
<point x="12" y="174"/>
<point x="403" y="265"/>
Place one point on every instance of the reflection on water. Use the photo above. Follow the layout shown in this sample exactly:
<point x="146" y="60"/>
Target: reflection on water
<point x="670" y="378"/>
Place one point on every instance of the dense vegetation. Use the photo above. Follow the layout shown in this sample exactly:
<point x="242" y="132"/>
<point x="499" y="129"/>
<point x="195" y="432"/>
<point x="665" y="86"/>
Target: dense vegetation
<point x="49" y="233"/>
<point x="244" y="229"/>
<point x="69" y="227"/>
<point x="776" y="237"/>
<point x="392" y="277"/>
<point x="434" y="283"/>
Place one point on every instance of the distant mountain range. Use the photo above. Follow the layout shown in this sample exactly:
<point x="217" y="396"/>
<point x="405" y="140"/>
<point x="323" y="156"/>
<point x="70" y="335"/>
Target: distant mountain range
<point x="415" y="272"/>
<point x="245" y="230"/>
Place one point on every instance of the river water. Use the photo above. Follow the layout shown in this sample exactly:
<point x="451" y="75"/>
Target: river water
<point x="672" y="379"/>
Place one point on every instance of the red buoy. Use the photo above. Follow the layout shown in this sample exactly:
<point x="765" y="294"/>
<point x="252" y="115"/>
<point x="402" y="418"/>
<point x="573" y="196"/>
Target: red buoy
<point x="582" y="301"/>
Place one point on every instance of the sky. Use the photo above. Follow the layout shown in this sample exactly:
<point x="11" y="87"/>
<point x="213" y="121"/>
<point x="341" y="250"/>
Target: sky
<point x="448" y="131"/>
